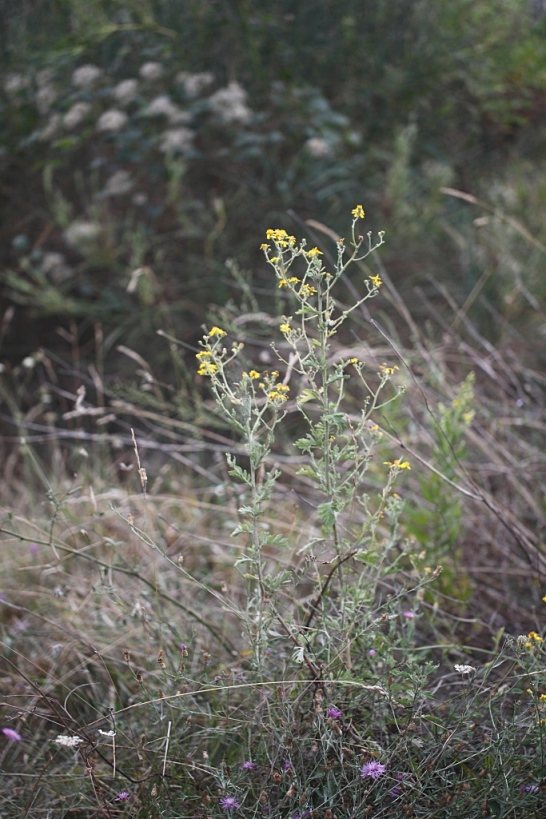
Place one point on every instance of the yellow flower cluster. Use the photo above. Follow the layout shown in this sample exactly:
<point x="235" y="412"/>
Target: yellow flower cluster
<point x="286" y="282"/>
<point x="307" y="290"/>
<point x="281" y="238"/>
<point x="377" y="281"/>
<point x="205" y="357"/>
<point x="314" y="252"/>
<point x="534" y="640"/>
<point x="358" y="212"/>
<point x="398" y="464"/>
<point x="388" y="370"/>
<point x="280" y="393"/>
<point x="207" y="368"/>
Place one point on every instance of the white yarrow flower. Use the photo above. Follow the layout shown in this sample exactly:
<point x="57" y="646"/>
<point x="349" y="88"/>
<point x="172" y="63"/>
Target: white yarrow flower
<point x="86" y="76"/>
<point x="15" y="83"/>
<point x="177" y="139"/>
<point x="151" y="71"/>
<point x="317" y="147"/>
<point x="81" y="233"/>
<point x="119" y="183"/>
<point x="230" y="104"/>
<point x="45" y="97"/>
<point x="195" y="84"/>
<point x="464" y="669"/>
<point x="52" y="128"/>
<point x="112" y="120"/>
<point x="68" y="742"/>
<point x="125" y="91"/>
<point x="76" y="115"/>
<point x="163" y="106"/>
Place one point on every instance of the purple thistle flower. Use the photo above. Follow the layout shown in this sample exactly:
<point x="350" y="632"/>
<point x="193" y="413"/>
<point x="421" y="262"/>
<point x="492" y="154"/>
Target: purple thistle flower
<point x="372" y="652"/>
<point x="230" y="803"/>
<point x="248" y="766"/>
<point x="9" y="733"/>
<point x="287" y="766"/>
<point x="372" y="769"/>
<point x="334" y="713"/>
<point x="122" y="796"/>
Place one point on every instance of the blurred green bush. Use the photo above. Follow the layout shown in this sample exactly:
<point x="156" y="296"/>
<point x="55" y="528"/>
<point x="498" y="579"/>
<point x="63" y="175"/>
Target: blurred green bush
<point x="142" y="142"/>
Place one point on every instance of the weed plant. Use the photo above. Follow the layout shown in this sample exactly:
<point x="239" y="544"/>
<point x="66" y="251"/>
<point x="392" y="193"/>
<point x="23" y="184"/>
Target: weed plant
<point x="286" y="671"/>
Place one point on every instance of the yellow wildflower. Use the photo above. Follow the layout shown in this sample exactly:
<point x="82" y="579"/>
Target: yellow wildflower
<point x="307" y="290"/>
<point x="275" y="395"/>
<point x="542" y="697"/>
<point x="314" y="252"/>
<point x="285" y="328"/>
<point x="358" y="212"/>
<point x="204" y="354"/>
<point x="398" y="464"/>
<point x="254" y="374"/>
<point x="264" y="246"/>
<point x="536" y="637"/>
<point x="281" y="237"/>
<point x="388" y="370"/>
<point x="286" y="282"/>
<point x="207" y="368"/>
<point x="216" y="331"/>
<point x="353" y="361"/>
<point x="544" y="599"/>
<point x="376" y="281"/>
<point x="274" y="259"/>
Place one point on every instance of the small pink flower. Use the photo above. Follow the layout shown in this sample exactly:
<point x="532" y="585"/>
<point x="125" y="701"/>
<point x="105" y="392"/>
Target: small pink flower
<point x="248" y="766"/>
<point x="9" y="733"/>
<point x="409" y="614"/>
<point x="372" y="652"/>
<point x="334" y="713"/>
<point x="122" y="796"/>
<point x="372" y="769"/>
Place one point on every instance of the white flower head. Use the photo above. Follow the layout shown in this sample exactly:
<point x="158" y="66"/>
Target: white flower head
<point x="318" y="147"/>
<point x="86" y="76"/>
<point x="107" y="733"/>
<point x="81" y="233"/>
<point x="118" y="184"/>
<point x="125" y="91"/>
<point x="45" y="97"/>
<point x="151" y="71"/>
<point x="76" y="115"/>
<point x="230" y="104"/>
<point x="464" y="669"/>
<point x="68" y="742"/>
<point x="177" y="140"/>
<point x="52" y="128"/>
<point x="54" y="265"/>
<point x="163" y="106"/>
<point x="112" y="120"/>
<point x="195" y="84"/>
<point x="15" y="83"/>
